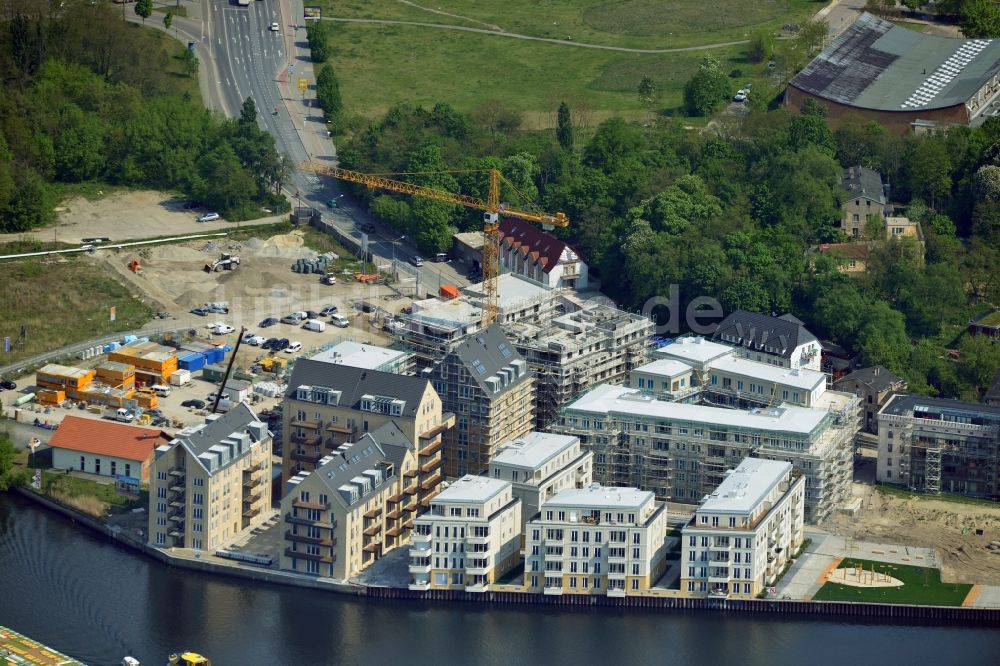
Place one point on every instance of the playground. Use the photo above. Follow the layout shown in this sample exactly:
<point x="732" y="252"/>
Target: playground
<point x="884" y="582"/>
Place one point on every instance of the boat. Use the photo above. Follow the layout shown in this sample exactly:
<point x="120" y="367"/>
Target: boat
<point x="188" y="659"/>
<point x="130" y="661"/>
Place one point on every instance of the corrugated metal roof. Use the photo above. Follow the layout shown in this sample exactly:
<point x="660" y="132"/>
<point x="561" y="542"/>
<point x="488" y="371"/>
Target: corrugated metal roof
<point x="875" y="64"/>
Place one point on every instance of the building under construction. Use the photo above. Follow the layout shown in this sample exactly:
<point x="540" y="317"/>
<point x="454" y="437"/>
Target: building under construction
<point x="938" y="445"/>
<point x="681" y="451"/>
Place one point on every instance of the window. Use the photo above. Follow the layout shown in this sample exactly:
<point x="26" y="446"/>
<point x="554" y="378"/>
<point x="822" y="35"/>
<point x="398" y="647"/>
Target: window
<point x="635" y="583"/>
<point x="128" y="469"/>
<point x="161" y="476"/>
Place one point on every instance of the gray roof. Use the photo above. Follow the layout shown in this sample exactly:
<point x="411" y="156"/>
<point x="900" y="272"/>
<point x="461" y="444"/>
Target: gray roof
<point x="219" y="442"/>
<point x="392" y="441"/>
<point x="772" y="335"/>
<point x="485" y="353"/>
<point x="875" y="64"/>
<point x="877" y="377"/>
<point x="353" y="383"/>
<point x="863" y="183"/>
<point x="904" y="404"/>
<point x="340" y="467"/>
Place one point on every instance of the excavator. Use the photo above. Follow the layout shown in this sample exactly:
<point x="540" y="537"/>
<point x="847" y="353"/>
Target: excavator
<point x="492" y="208"/>
<point x="226" y="262"/>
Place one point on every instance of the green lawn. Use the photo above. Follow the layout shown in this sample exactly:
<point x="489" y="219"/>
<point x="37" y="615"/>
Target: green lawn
<point x="922" y="586"/>
<point x="630" y="23"/>
<point x="900" y="491"/>
<point x="58" y="483"/>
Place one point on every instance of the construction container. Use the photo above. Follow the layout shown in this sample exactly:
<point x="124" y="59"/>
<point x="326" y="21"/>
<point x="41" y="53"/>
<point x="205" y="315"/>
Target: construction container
<point x="107" y="396"/>
<point x="60" y="377"/>
<point x="24" y="399"/>
<point x="213" y="373"/>
<point x="273" y="363"/>
<point x="448" y="291"/>
<point x="180" y="378"/>
<point x="236" y="390"/>
<point x="113" y="373"/>
<point x="152" y="366"/>
<point x="50" y="396"/>
<point x="215" y="355"/>
<point x="146" y="399"/>
<point x="191" y="361"/>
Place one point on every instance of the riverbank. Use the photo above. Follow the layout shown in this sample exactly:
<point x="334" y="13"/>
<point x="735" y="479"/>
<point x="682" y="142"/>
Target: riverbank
<point x="787" y="608"/>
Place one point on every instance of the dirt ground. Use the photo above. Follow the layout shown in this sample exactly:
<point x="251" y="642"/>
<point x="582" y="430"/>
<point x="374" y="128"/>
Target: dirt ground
<point x="124" y="216"/>
<point x="948" y="526"/>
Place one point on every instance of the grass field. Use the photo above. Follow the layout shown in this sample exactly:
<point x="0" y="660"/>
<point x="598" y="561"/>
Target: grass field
<point x="899" y="491"/>
<point x="628" y="23"/>
<point x="60" y="302"/>
<point x="424" y="67"/>
<point x="921" y="586"/>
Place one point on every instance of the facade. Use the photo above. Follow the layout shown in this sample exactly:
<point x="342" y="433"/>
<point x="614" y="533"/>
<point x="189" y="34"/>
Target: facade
<point x="353" y="508"/>
<point x="864" y="200"/>
<point x="469" y="539"/>
<point x="854" y="256"/>
<point x="539" y="465"/>
<point x="937" y="445"/>
<point x="486" y="384"/>
<point x="211" y="485"/>
<point x="367" y="356"/>
<point x="743" y="534"/>
<point x="903" y="79"/>
<point x="681" y="451"/>
<point x="527" y="250"/>
<point x="873" y="386"/>
<point x="328" y="404"/>
<point x="782" y="341"/>
<point x="105" y="448"/>
<point x="596" y="540"/>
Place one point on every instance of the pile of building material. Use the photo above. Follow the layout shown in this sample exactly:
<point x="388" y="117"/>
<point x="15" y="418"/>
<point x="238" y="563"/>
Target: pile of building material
<point x="315" y="266"/>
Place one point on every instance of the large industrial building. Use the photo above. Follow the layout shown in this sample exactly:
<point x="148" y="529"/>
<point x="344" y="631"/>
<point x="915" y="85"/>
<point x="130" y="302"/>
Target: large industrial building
<point x="901" y="78"/>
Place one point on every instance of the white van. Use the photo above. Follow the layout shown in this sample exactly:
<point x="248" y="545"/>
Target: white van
<point x="339" y="320"/>
<point x="294" y="347"/>
<point x="124" y="415"/>
<point x="160" y="390"/>
<point x="314" y="325"/>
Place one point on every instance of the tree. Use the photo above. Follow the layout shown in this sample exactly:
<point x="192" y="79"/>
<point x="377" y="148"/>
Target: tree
<point x="168" y="20"/>
<point x="248" y="114"/>
<point x="564" y="127"/>
<point x="647" y="92"/>
<point x="144" y="8"/>
<point x="328" y="96"/>
<point x="882" y="338"/>
<point x="979" y="19"/>
<point x="318" y="34"/>
<point x="707" y="89"/>
<point x="189" y="62"/>
<point x="761" y="47"/>
<point x="811" y="36"/>
<point x="929" y="170"/>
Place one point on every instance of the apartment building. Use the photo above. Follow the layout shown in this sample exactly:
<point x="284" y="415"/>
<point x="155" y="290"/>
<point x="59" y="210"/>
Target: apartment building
<point x="939" y="445"/>
<point x="354" y="507"/>
<point x="783" y="341"/>
<point x="211" y="484"/>
<point x="488" y="386"/>
<point x="592" y="344"/>
<point x="539" y="465"/>
<point x="367" y="356"/>
<point x="596" y="540"/>
<point x="681" y="451"/>
<point x="328" y="404"/>
<point x="470" y="537"/>
<point x="538" y="255"/>
<point x="873" y="386"/>
<point x="743" y="534"/>
<point x="864" y="200"/>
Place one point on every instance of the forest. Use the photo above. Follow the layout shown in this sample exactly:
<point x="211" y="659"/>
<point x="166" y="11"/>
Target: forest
<point x="735" y="214"/>
<point x="89" y="98"/>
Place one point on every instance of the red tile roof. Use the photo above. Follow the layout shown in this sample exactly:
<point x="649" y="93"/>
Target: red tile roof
<point x="544" y="248"/>
<point x="107" y="438"/>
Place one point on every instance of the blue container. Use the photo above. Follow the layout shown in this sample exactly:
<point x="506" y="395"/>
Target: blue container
<point x="215" y="355"/>
<point x="129" y="338"/>
<point x="192" y="361"/>
<point x="111" y="346"/>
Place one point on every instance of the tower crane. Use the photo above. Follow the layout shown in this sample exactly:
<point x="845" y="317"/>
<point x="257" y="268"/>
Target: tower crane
<point x="491" y="217"/>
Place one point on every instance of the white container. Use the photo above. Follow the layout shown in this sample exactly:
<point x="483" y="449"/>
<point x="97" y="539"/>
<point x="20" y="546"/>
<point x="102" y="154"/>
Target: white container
<point x="180" y="377"/>
<point x="315" y="325"/>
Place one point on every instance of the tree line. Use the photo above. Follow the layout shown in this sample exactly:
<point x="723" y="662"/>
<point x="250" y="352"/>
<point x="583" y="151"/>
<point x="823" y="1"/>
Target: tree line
<point x="89" y="97"/>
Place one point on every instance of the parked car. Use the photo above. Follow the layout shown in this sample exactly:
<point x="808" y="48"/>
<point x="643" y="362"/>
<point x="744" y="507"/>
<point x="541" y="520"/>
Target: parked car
<point x="281" y="344"/>
<point x="293" y="347"/>
<point x="270" y="321"/>
<point x="293" y="318"/>
<point x="275" y="27"/>
<point x="7" y="385"/>
<point x="256" y="340"/>
<point x="222" y="329"/>
<point x="368" y="228"/>
<point x="740" y="96"/>
<point x="328" y="310"/>
<point x="201" y="312"/>
<point x="310" y="314"/>
<point x="195" y="404"/>
<point x="208" y="217"/>
<point x="340" y="321"/>
<point x="217" y="308"/>
<point x="441" y="257"/>
<point x="417" y="261"/>
<point x="269" y="343"/>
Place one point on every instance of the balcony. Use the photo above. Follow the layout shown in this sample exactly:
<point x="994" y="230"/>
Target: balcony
<point x="324" y="559"/>
<point x="433" y="481"/>
<point x="394" y="531"/>
<point x="176" y="488"/>
<point x="373" y="547"/>
<point x="306" y="424"/>
<point x="252" y="482"/>
<point x="177" y="517"/>
<point x="714" y="579"/>
<point x="311" y="458"/>
<point x="374" y="512"/>
<point x="312" y="440"/>
<point x="303" y="504"/>
<point x="420" y="585"/>
<point x="417" y="566"/>
<point x="432" y="448"/>
<point x="616" y="591"/>
<point x="431" y="466"/>
<point x="477" y="538"/>
<point x="410" y="473"/>
<point x="553" y="591"/>
<point x="250" y="498"/>
<point x="176" y="533"/>
<point x="373" y="529"/>
<point x="301" y="520"/>
<point x="333" y="427"/>
<point x="483" y="570"/>
<point x="256" y="467"/>
<point x="447" y="421"/>
<point x="395" y="513"/>
<point x="176" y="471"/>
<point x="251" y="512"/>
<point x="411" y="489"/>
<point x="327" y="542"/>
<point x="177" y="504"/>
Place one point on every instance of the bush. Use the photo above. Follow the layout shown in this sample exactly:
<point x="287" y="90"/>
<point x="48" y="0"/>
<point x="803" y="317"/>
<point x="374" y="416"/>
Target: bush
<point x="707" y="90"/>
<point x="761" y="47"/>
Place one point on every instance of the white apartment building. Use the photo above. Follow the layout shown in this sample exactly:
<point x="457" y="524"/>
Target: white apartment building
<point x="539" y="465"/>
<point x="782" y="341"/>
<point x="596" y="540"/>
<point x="742" y="535"/>
<point x="470" y="537"/>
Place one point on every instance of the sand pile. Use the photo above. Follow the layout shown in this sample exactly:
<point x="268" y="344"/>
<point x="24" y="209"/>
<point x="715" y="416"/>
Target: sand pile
<point x="284" y="246"/>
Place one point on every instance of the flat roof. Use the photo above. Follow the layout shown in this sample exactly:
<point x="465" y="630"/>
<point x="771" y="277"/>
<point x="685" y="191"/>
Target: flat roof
<point x="901" y="404"/>
<point x="746" y="486"/>
<point x="62" y="370"/>
<point x="472" y="489"/>
<point x="513" y="291"/>
<point x="608" y="398"/>
<point x="799" y="378"/>
<point x="533" y="450"/>
<point x="358" y="355"/>
<point x="600" y="497"/>
<point x="665" y="367"/>
<point x="695" y="349"/>
<point x="875" y="64"/>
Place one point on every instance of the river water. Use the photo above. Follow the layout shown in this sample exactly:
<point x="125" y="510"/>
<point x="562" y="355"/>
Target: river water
<point x="84" y="596"/>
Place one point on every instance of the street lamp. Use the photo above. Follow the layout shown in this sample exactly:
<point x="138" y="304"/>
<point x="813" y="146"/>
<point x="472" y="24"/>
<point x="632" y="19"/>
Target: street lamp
<point x="394" y="255"/>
